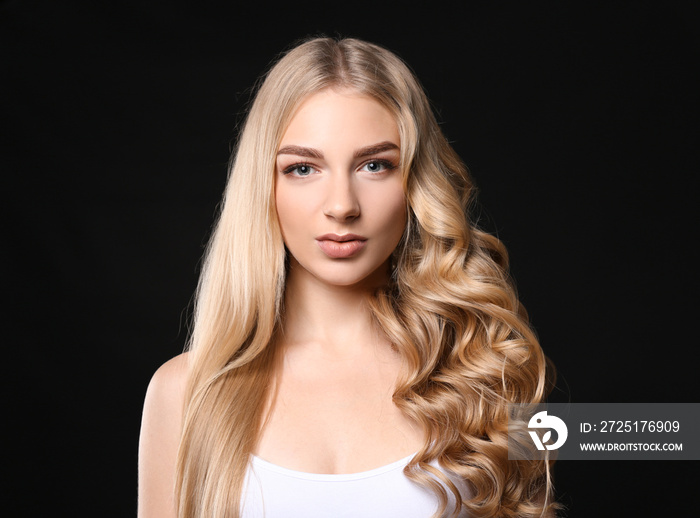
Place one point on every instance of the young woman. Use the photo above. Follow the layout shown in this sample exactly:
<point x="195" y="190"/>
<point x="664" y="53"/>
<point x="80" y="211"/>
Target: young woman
<point x="357" y="340"/>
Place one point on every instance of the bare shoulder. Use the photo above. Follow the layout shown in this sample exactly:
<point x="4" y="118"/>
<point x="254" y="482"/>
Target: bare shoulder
<point x="169" y="381"/>
<point x="166" y="392"/>
<point x="161" y="427"/>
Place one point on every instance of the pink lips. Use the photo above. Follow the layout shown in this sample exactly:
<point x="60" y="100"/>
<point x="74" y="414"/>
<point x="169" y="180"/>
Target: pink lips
<point x="341" y="247"/>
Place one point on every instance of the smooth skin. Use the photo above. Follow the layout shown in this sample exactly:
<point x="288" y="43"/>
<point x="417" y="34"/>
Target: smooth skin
<point x="338" y="172"/>
<point x="161" y="427"/>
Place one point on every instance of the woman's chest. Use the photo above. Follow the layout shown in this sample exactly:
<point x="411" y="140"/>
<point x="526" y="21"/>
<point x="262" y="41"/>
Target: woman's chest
<point x="337" y="421"/>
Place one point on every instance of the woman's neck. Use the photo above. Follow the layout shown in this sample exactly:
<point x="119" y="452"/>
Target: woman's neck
<point x="334" y="319"/>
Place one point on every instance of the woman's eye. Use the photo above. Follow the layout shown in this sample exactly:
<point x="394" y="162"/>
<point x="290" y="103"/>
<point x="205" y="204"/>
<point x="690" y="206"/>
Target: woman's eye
<point x="299" y="170"/>
<point x="377" y="166"/>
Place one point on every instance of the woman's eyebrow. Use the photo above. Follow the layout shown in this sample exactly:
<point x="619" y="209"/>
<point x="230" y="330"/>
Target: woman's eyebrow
<point x="315" y="153"/>
<point x="375" y="149"/>
<point x="300" y="151"/>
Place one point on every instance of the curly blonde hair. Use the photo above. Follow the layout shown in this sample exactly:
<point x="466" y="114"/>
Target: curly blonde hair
<point x="451" y="309"/>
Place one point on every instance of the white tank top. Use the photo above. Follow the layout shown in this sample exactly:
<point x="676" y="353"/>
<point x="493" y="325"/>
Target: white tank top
<point x="271" y="491"/>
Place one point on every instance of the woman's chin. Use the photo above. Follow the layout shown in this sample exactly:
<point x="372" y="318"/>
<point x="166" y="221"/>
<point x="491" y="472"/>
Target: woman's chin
<point x="350" y="276"/>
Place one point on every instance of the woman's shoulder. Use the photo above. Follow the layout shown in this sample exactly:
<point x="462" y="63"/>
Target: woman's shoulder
<point x="161" y="426"/>
<point x="166" y="390"/>
<point x="172" y="373"/>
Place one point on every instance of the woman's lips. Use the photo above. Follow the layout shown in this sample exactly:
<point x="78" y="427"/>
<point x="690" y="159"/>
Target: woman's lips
<point x="341" y="247"/>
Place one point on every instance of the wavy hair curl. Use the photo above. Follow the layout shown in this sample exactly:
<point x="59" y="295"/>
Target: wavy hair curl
<point x="451" y="308"/>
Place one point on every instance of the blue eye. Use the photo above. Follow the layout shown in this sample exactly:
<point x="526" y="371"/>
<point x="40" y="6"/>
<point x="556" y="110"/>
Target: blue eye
<point x="299" y="170"/>
<point x="303" y="170"/>
<point x="378" y="166"/>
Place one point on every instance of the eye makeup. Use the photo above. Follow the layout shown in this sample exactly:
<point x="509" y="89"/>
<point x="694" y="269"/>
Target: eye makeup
<point x="304" y="169"/>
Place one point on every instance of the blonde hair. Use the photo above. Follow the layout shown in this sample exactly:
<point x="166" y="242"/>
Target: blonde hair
<point x="451" y="309"/>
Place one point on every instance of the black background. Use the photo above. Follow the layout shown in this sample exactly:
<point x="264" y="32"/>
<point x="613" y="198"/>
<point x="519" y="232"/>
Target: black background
<point x="577" y="119"/>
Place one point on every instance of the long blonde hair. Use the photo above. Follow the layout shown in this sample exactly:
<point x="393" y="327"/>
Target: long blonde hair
<point x="451" y="309"/>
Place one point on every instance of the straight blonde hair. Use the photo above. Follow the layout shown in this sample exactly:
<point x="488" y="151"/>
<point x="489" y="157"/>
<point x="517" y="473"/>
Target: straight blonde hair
<point x="451" y="309"/>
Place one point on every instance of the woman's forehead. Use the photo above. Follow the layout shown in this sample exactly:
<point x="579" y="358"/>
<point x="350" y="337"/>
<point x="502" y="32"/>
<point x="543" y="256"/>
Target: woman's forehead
<point x="332" y="116"/>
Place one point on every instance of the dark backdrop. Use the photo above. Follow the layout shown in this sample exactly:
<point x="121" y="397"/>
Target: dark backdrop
<point x="577" y="119"/>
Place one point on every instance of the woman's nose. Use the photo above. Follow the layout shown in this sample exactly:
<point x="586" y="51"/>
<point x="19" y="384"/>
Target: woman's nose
<point x="342" y="203"/>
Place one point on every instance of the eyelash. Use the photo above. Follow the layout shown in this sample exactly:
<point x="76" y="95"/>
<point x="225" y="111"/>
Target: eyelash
<point x="293" y="167"/>
<point x="386" y="164"/>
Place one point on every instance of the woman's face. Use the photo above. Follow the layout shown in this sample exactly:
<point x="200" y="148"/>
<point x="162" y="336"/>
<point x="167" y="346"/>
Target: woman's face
<point x="339" y="193"/>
